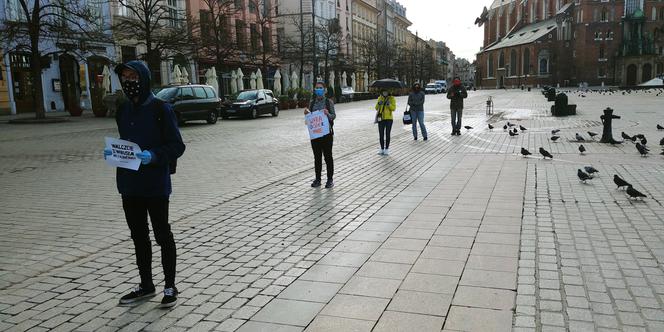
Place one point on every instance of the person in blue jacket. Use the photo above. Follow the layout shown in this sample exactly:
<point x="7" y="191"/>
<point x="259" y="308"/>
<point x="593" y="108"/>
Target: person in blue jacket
<point x="150" y="123"/>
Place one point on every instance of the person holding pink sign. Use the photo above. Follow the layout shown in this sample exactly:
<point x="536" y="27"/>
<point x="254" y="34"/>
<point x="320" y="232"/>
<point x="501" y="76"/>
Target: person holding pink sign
<point x="321" y="146"/>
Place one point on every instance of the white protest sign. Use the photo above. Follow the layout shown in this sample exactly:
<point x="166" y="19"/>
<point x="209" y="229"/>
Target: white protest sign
<point x="318" y="124"/>
<point x="124" y="153"/>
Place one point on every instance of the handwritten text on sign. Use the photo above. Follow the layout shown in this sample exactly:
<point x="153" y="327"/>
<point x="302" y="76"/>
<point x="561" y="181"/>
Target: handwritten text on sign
<point x="318" y="124"/>
<point x="123" y="153"/>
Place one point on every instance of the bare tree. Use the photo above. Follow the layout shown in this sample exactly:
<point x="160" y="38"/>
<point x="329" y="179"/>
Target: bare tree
<point x="367" y="51"/>
<point x="299" y="45"/>
<point x="265" y="21"/>
<point x="328" y="39"/>
<point x="212" y="33"/>
<point x="159" y="26"/>
<point x="27" y="26"/>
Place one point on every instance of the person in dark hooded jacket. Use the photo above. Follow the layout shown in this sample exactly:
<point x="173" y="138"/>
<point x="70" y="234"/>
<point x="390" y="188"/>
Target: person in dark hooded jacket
<point x="150" y="123"/>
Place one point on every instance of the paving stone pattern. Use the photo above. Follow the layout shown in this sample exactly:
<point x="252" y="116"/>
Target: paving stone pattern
<point x="455" y="234"/>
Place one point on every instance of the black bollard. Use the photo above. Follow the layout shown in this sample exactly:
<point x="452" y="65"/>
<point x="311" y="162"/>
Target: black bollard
<point x="607" y="132"/>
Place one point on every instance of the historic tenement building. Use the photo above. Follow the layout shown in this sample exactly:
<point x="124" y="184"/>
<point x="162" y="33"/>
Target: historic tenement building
<point x="567" y="42"/>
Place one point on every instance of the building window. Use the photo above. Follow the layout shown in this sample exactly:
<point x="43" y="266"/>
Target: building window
<point x="543" y="62"/>
<point x="598" y="35"/>
<point x="254" y="38"/>
<point x="267" y="40"/>
<point x="513" y="64"/>
<point x="526" y="62"/>
<point x="601" y="72"/>
<point x="609" y="35"/>
<point x="501" y="60"/>
<point x="489" y="65"/>
<point x="601" y="53"/>
<point x="660" y="68"/>
<point x="605" y="15"/>
<point x="239" y="34"/>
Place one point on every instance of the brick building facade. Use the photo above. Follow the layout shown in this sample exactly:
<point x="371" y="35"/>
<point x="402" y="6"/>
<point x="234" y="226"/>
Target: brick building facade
<point x="567" y="42"/>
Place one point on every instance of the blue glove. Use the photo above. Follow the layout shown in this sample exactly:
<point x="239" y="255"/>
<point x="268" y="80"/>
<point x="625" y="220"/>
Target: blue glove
<point x="145" y="156"/>
<point x="107" y="152"/>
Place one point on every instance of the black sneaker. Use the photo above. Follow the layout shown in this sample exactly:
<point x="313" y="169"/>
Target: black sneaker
<point x="426" y="138"/>
<point x="414" y="138"/>
<point x="315" y="184"/>
<point x="136" y="295"/>
<point x="170" y="298"/>
<point x="329" y="184"/>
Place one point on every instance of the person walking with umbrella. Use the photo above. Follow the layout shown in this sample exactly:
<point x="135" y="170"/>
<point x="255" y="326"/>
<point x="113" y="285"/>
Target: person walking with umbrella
<point x="416" y="103"/>
<point x="385" y="105"/>
<point x="456" y="94"/>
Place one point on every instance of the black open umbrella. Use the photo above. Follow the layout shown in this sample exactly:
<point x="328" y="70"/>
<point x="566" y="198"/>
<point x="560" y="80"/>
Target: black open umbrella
<point x="387" y="83"/>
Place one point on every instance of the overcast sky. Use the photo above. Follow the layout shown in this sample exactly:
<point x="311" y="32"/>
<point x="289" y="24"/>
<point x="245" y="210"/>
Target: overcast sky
<point x="450" y="21"/>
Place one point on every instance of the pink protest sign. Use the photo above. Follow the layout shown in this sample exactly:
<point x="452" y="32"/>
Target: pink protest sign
<point x="318" y="124"/>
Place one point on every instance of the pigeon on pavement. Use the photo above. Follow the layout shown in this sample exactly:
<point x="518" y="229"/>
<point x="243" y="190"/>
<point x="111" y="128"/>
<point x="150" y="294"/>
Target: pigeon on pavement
<point x="620" y="182"/>
<point x="582" y="149"/>
<point x="661" y="141"/>
<point x="545" y="153"/>
<point x="555" y="138"/>
<point x="512" y="134"/>
<point x="592" y="134"/>
<point x="579" y="137"/>
<point x="626" y="137"/>
<point x="468" y="127"/>
<point x="525" y="152"/>
<point x="642" y="150"/>
<point x="555" y="131"/>
<point x="583" y="176"/>
<point x="633" y="193"/>
<point x="591" y="170"/>
<point x="659" y="127"/>
<point x="522" y="128"/>
<point x="505" y="127"/>
<point x="644" y="141"/>
<point x="490" y="126"/>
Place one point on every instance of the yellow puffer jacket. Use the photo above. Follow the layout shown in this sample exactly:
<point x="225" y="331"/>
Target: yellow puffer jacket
<point x="387" y="109"/>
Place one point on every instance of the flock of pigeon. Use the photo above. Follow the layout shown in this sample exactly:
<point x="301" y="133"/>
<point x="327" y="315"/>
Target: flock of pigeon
<point x="590" y="171"/>
<point x="608" y="92"/>
<point x="640" y="142"/>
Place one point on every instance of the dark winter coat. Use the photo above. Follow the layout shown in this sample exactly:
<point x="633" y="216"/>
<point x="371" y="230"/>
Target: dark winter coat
<point x="457" y="94"/>
<point x="152" y="125"/>
<point x="416" y="101"/>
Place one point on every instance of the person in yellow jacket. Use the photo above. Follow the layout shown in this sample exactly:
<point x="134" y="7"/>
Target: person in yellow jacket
<point x="385" y="106"/>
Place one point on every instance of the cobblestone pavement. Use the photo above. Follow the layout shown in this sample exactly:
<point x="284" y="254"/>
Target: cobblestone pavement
<point x="458" y="233"/>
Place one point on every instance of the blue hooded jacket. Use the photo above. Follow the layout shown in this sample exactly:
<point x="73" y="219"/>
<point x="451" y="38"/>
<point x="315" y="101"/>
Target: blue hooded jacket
<point x="138" y="123"/>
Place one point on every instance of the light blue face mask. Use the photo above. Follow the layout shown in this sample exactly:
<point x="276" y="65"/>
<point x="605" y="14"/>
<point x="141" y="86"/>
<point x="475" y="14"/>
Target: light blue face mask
<point x="319" y="92"/>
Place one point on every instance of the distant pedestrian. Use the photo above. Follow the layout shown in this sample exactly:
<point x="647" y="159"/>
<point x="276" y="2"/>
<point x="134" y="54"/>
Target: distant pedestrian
<point x="385" y="105"/>
<point x="456" y="94"/>
<point x="150" y="123"/>
<point x="322" y="146"/>
<point x="416" y="103"/>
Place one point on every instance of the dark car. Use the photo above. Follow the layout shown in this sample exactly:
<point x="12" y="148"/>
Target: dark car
<point x="253" y="103"/>
<point x="192" y="102"/>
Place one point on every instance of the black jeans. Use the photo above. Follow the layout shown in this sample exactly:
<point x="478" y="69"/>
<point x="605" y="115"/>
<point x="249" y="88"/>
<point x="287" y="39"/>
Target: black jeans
<point x="322" y="147"/>
<point x="136" y="211"/>
<point x="384" y="130"/>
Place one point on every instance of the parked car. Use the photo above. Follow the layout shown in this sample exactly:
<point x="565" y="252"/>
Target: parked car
<point x="192" y="102"/>
<point x="432" y="88"/>
<point x="253" y="103"/>
<point x="443" y="83"/>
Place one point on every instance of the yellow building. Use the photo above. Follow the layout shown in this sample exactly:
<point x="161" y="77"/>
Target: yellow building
<point x="4" y="89"/>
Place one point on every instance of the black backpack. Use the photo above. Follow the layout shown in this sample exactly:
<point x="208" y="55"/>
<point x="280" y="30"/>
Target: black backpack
<point x="159" y="117"/>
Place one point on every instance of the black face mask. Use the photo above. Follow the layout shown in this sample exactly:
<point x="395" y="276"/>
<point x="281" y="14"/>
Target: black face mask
<point x="131" y="88"/>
